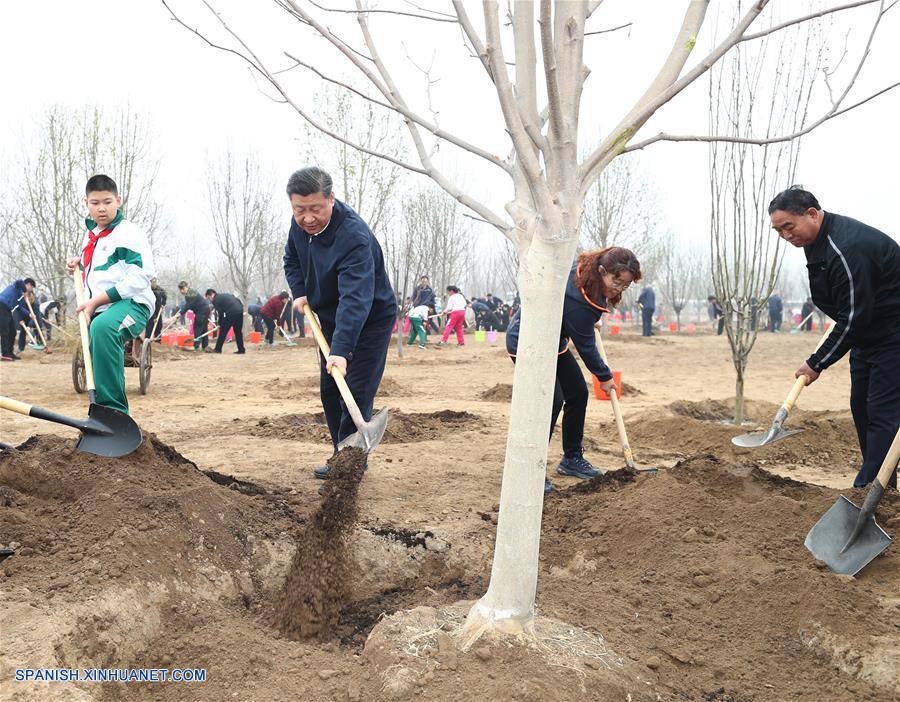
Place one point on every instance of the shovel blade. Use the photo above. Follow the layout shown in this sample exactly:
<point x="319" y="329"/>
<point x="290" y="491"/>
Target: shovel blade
<point x="369" y="435"/>
<point x="760" y="439"/>
<point x="109" y="432"/>
<point x="828" y="536"/>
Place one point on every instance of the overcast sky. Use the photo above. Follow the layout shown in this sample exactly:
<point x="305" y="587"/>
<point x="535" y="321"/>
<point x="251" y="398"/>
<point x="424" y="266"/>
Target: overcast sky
<point x="200" y="101"/>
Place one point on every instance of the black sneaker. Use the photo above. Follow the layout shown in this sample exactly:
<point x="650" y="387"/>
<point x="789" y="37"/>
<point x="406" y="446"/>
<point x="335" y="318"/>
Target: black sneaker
<point x="576" y="466"/>
<point x="548" y="486"/>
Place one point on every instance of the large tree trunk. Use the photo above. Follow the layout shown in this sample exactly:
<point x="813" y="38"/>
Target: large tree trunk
<point x="509" y="603"/>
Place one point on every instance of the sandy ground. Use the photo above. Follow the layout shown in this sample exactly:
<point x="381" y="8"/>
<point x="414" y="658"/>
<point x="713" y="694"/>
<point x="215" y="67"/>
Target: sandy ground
<point x="626" y="560"/>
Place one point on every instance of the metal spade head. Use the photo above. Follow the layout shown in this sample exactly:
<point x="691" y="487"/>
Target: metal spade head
<point x="369" y="435"/>
<point x="776" y="433"/>
<point x="108" y="432"/>
<point x="830" y="534"/>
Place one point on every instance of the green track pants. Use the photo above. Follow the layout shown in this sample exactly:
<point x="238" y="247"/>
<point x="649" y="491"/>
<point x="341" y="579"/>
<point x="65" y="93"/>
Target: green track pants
<point x="123" y="320"/>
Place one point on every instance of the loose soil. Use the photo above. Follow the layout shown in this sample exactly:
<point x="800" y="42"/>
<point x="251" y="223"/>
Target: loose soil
<point x="696" y="577"/>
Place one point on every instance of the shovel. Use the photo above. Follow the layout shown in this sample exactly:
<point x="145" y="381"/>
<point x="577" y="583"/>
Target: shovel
<point x="31" y="340"/>
<point x="37" y="326"/>
<point x="777" y="431"/>
<point x="848" y="538"/>
<point x="799" y="327"/>
<point x="368" y="434"/>
<point x="620" y="423"/>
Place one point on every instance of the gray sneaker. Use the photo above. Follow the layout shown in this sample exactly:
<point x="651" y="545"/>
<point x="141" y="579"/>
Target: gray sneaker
<point x="577" y="466"/>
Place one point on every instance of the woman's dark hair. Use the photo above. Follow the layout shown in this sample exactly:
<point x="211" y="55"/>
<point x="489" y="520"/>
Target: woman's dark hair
<point x="308" y="181"/>
<point x="612" y="259"/>
<point x="452" y="289"/>
<point x="795" y="200"/>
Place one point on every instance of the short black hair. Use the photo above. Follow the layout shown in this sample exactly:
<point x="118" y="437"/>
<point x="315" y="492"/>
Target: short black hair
<point x="795" y="200"/>
<point x="452" y="288"/>
<point x="283" y="295"/>
<point x="210" y="291"/>
<point x="29" y="281"/>
<point x="99" y="184"/>
<point x="183" y="284"/>
<point x="308" y="181"/>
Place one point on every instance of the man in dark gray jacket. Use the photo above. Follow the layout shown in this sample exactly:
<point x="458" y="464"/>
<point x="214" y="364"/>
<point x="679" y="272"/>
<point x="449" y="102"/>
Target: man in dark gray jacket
<point x="854" y="277"/>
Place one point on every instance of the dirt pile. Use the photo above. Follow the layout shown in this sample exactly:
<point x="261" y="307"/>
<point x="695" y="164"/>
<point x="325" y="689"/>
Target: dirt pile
<point x="828" y="442"/>
<point x="309" y="426"/>
<point x="318" y="583"/>
<point x="391" y="388"/>
<point x="404" y="427"/>
<point x="700" y="574"/>
<point x="501" y="392"/>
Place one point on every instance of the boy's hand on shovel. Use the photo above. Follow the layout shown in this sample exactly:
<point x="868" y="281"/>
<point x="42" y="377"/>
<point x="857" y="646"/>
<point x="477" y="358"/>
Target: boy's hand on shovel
<point x="810" y="374"/>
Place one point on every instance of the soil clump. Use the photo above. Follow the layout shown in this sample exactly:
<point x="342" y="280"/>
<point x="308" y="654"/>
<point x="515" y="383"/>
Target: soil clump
<point x="319" y="580"/>
<point x="501" y="392"/>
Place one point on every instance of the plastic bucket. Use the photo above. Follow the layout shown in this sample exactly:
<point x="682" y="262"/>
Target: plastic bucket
<point x="480" y="335"/>
<point x="255" y="337"/>
<point x="598" y="391"/>
<point x="492" y="336"/>
<point x="614" y="330"/>
<point x="673" y="327"/>
<point x="185" y="340"/>
<point x="690" y="328"/>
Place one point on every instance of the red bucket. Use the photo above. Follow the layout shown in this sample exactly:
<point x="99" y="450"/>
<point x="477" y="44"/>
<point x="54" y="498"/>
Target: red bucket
<point x="598" y="391"/>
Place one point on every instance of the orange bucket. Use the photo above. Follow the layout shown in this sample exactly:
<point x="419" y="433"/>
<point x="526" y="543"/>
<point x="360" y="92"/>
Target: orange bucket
<point x="598" y="391"/>
<point x="673" y="327"/>
<point x="185" y="340"/>
<point x="614" y="330"/>
<point x="255" y="337"/>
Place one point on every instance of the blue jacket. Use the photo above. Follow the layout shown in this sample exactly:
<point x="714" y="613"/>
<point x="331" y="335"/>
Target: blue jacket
<point x="578" y="319"/>
<point x="12" y="293"/>
<point x="341" y="272"/>
<point x="647" y="298"/>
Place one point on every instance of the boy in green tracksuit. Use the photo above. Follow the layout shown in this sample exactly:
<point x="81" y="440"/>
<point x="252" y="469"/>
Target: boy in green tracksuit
<point x="116" y="265"/>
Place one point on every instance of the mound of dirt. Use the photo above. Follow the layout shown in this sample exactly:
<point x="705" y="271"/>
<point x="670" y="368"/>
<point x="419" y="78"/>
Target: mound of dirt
<point x="417" y="426"/>
<point x="630" y="390"/>
<point x="391" y="388"/>
<point x="700" y="574"/>
<point x="501" y="392"/>
<point x="309" y="426"/>
<point x="828" y="441"/>
<point x="318" y="583"/>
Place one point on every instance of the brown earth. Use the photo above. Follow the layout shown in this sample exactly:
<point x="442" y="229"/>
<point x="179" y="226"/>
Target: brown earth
<point x="696" y="577"/>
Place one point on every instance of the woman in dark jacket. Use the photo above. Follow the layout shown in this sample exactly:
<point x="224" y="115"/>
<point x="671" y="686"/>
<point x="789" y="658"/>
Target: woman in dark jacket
<point x="596" y="282"/>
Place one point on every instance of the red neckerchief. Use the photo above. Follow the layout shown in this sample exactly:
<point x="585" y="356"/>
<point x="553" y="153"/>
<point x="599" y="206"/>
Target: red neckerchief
<point x="87" y="253"/>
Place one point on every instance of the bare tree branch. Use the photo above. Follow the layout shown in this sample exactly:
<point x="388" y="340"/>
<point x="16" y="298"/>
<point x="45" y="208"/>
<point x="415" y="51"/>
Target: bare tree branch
<point x="814" y="15"/>
<point x="607" y="31"/>
<point x="385" y="12"/>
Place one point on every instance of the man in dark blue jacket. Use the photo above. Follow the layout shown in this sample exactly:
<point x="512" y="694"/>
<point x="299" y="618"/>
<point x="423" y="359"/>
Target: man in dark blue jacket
<point x="854" y="278"/>
<point x="11" y="298"/>
<point x="647" y="302"/>
<point x="333" y="262"/>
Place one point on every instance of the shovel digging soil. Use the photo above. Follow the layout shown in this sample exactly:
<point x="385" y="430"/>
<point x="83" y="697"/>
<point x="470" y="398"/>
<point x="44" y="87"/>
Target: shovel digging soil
<point x="368" y="434"/>
<point x="777" y="431"/>
<point x="620" y="423"/>
<point x="848" y="538"/>
<point x="106" y="432"/>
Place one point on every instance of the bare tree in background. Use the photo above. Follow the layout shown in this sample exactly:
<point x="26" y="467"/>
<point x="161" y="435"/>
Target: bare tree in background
<point x="620" y="209"/>
<point x="44" y="195"/>
<point x="244" y="218"/>
<point x="680" y="272"/>
<point x="746" y="257"/>
<point x="549" y="184"/>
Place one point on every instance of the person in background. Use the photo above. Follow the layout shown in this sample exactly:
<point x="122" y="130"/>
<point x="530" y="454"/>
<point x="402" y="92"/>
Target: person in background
<point x="424" y="295"/>
<point x="272" y="312"/>
<point x="255" y="317"/>
<point x="230" y="315"/>
<point x="776" y="312"/>
<point x="11" y="297"/>
<point x="155" y="323"/>
<point x="596" y="282"/>
<point x="806" y="314"/>
<point x="647" y="303"/>
<point x="199" y="305"/>
<point x="456" y="315"/>
<point x="716" y="314"/>
<point x="854" y="278"/>
<point x="51" y="308"/>
<point x="418" y="316"/>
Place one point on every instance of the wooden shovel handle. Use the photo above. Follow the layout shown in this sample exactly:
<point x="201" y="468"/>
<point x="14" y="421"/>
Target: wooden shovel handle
<point x="338" y="376"/>
<point x="801" y="382"/>
<point x="28" y="332"/>
<point x="617" y="411"/>
<point x="36" y="325"/>
<point x="890" y="461"/>
<point x="8" y="403"/>
<point x="83" y="328"/>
